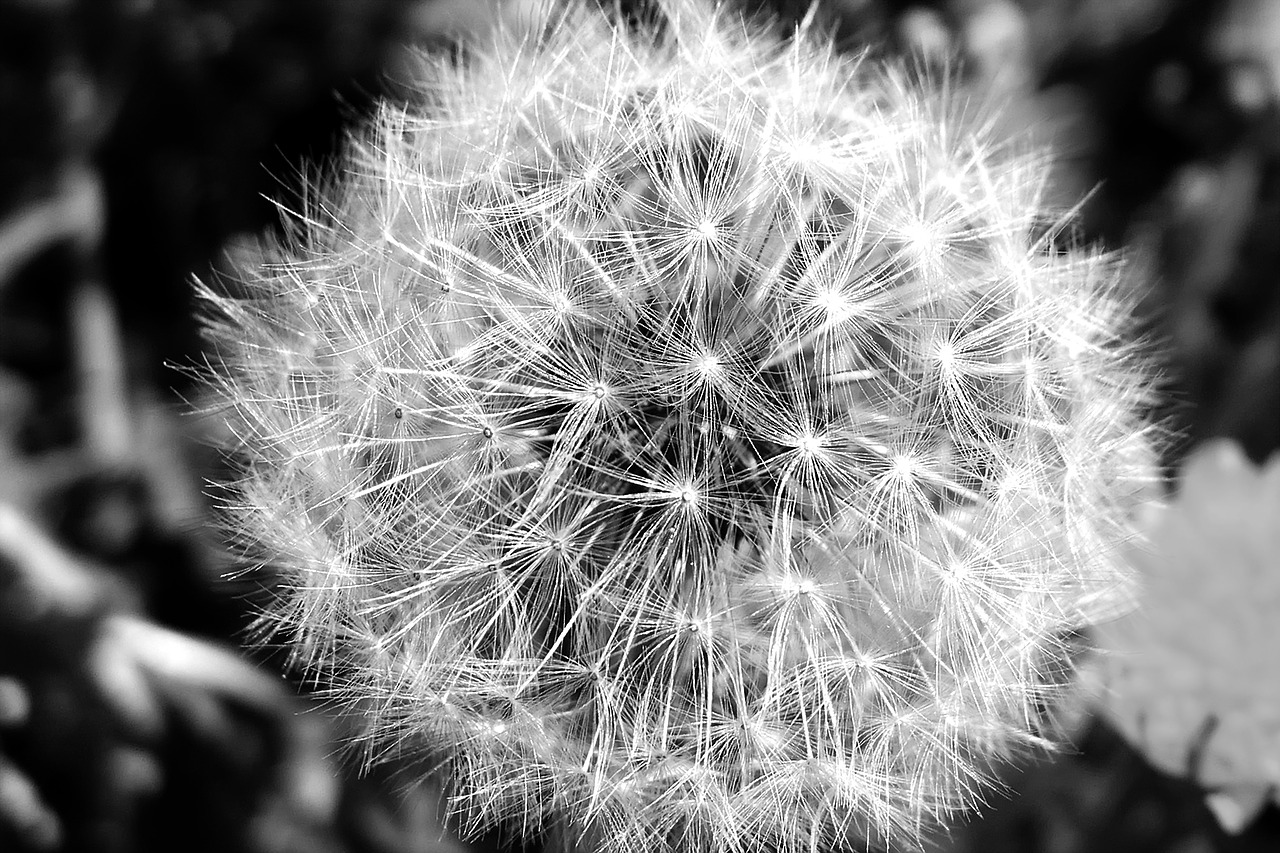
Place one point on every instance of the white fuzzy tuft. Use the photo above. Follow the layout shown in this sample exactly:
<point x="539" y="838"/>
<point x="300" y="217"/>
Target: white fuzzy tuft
<point x="692" y="440"/>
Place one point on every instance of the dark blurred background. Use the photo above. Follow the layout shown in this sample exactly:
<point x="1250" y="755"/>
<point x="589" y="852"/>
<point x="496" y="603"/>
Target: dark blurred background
<point x="140" y="140"/>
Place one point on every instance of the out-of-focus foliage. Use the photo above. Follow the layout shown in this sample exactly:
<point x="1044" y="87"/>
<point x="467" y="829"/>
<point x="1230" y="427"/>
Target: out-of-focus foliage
<point x="1193" y="678"/>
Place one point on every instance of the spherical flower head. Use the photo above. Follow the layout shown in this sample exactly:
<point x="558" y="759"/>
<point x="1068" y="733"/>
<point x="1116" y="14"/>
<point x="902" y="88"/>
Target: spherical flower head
<point x="686" y="438"/>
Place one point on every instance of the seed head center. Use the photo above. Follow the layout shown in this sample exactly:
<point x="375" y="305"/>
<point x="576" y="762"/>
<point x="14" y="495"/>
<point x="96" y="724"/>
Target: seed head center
<point x="687" y="495"/>
<point x="709" y="365"/>
<point x="946" y="355"/>
<point x="834" y="303"/>
<point x="809" y="445"/>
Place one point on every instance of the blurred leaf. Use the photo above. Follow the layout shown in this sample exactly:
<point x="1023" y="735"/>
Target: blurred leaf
<point x="1193" y="678"/>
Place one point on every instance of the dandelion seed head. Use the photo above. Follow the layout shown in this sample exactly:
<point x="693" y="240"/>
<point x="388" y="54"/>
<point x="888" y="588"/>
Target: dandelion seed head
<point x="751" y="446"/>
